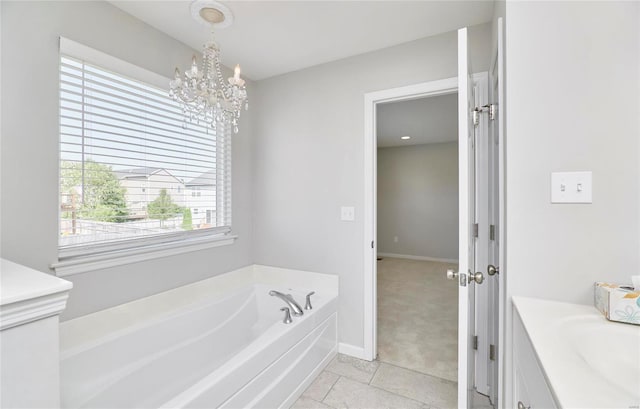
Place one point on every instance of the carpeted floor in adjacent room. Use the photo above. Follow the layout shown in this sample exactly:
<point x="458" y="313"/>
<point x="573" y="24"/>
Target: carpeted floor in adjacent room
<point x="418" y="316"/>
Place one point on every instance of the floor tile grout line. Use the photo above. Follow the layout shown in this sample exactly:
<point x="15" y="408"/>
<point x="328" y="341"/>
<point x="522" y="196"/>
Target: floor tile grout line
<point x="429" y="404"/>
<point x="417" y="372"/>
<point x="326" y="404"/>
<point x="333" y="372"/>
<point x="383" y="390"/>
<point x="331" y="388"/>
<point x="395" y="394"/>
<point x="374" y="372"/>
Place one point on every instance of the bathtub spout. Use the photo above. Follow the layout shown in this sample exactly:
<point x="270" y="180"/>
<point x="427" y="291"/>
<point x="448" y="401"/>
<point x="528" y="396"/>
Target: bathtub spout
<point x="293" y="305"/>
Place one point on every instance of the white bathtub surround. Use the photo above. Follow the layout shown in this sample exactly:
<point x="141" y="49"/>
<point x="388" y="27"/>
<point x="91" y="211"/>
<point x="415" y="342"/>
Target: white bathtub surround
<point x="585" y="360"/>
<point x="219" y="342"/>
<point x="97" y="325"/>
<point x="30" y="303"/>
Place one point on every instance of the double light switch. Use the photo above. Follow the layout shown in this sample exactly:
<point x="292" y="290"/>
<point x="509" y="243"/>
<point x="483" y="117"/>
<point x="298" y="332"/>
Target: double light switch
<point x="571" y="187"/>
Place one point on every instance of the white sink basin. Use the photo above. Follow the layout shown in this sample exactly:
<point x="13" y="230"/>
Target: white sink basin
<point x="589" y="362"/>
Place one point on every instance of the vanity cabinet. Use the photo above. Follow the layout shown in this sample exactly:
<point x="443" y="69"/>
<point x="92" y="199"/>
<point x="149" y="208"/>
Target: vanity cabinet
<point x="530" y="386"/>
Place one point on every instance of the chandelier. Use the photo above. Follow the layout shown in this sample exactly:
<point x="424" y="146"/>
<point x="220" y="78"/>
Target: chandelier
<point x="204" y="95"/>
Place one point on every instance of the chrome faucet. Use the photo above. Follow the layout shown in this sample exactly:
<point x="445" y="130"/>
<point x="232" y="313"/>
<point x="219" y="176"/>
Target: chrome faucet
<point x="293" y="305"/>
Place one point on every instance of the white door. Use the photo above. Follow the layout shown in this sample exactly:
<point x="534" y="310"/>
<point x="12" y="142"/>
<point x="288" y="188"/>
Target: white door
<point x="482" y="236"/>
<point x="480" y="205"/>
<point x="466" y="206"/>
<point x="492" y="284"/>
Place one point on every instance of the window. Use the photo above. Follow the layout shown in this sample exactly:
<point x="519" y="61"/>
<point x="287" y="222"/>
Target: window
<point x="118" y="133"/>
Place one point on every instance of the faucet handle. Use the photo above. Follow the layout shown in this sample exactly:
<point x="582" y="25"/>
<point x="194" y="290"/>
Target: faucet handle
<point x="287" y="315"/>
<point x="308" y="306"/>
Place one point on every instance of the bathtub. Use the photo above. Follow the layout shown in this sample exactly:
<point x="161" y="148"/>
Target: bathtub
<point x="226" y="347"/>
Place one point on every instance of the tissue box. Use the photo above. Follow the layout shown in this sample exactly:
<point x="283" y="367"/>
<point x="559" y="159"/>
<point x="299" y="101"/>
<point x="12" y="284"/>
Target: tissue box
<point x="618" y="303"/>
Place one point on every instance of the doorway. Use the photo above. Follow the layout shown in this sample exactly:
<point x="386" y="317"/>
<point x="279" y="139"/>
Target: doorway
<point x="371" y="100"/>
<point x="417" y="225"/>
<point x="473" y="363"/>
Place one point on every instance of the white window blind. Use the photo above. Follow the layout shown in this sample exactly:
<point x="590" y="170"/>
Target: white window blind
<point x="132" y="171"/>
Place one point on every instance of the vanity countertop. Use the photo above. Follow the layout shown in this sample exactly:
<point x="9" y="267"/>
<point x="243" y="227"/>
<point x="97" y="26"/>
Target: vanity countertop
<point x="588" y="361"/>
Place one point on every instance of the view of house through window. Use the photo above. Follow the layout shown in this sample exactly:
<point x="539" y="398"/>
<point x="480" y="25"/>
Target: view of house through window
<point x="130" y="167"/>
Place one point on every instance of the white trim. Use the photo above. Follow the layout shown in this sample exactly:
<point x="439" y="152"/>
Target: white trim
<point x="25" y="311"/>
<point x="465" y="200"/>
<point x="112" y="247"/>
<point x="352" y="350"/>
<point x="29" y="295"/>
<point x="74" y="49"/>
<point x="84" y="257"/>
<point x="371" y="99"/>
<point x="502" y="216"/>
<point x="78" y="265"/>
<point x="421" y="258"/>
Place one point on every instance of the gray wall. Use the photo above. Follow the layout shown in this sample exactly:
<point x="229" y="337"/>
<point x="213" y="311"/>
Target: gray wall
<point x="418" y="200"/>
<point x="586" y="104"/>
<point x="29" y="167"/>
<point x="309" y="154"/>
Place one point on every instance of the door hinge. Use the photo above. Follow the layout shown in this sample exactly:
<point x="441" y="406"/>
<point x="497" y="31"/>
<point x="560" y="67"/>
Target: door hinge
<point x="475" y="342"/>
<point x="475" y="230"/>
<point x="491" y="109"/>
<point x="372" y="243"/>
<point x="492" y="352"/>
<point x="492" y="232"/>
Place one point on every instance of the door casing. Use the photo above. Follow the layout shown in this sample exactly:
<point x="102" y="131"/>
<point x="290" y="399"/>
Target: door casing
<point x="415" y="91"/>
<point x="434" y="88"/>
<point x="371" y="100"/>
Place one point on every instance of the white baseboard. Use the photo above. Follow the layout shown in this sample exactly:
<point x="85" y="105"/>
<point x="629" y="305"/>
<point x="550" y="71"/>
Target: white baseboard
<point x="422" y="258"/>
<point x="351" y="350"/>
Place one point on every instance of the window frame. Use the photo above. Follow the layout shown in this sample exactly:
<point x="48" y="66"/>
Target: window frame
<point x="81" y="258"/>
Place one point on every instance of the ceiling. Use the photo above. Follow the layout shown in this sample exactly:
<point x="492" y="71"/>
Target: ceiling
<point x="269" y="38"/>
<point x="426" y="120"/>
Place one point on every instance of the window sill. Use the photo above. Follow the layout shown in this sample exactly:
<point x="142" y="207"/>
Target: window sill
<point x="84" y="264"/>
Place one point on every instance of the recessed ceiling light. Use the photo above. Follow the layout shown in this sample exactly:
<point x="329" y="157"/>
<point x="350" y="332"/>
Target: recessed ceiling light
<point x="404" y="138"/>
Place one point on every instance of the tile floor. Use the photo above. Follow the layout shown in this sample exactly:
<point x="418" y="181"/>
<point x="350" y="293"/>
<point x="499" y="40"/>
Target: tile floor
<point x="417" y="347"/>
<point x="352" y="383"/>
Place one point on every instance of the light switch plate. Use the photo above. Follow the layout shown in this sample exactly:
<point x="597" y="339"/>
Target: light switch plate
<point x="347" y="213"/>
<point x="571" y="187"/>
